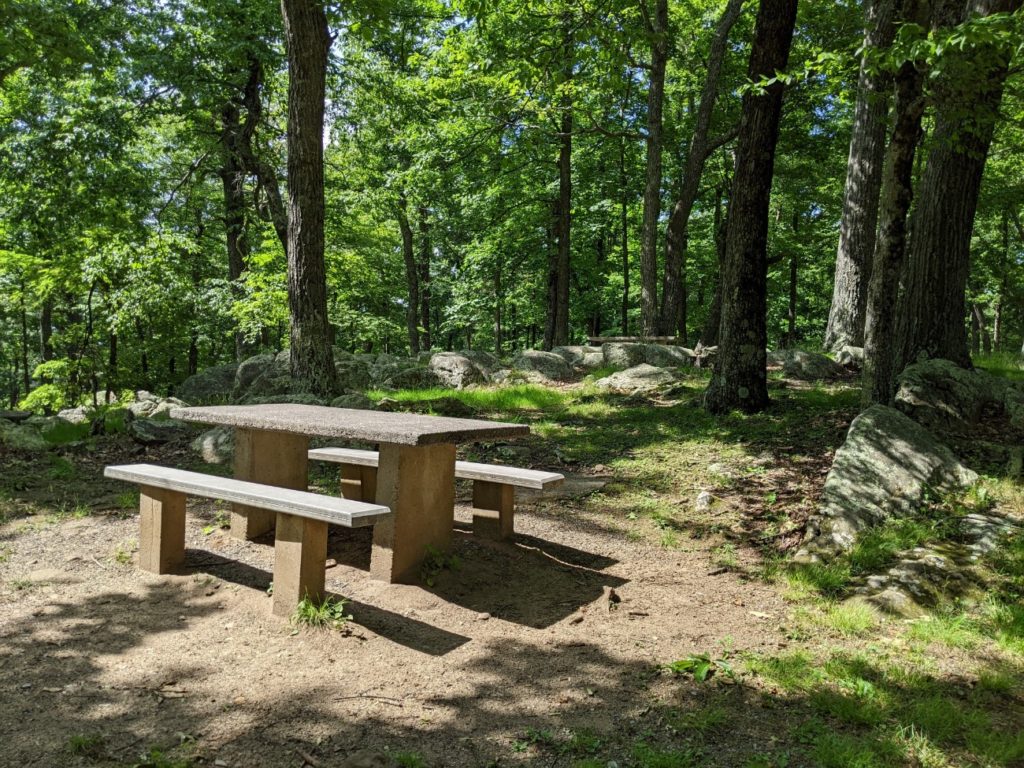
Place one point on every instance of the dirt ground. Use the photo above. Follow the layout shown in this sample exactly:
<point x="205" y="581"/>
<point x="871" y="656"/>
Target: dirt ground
<point x="517" y="639"/>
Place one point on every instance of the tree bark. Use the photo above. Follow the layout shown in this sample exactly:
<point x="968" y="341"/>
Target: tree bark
<point x="308" y="43"/>
<point x="657" y="30"/>
<point x="564" y="230"/>
<point x="713" y="322"/>
<point x="232" y="176"/>
<point x="890" y="245"/>
<point x="411" y="277"/>
<point x="624" y="224"/>
<point x="933" y="306"/>
<point x="863" y="184"/>
<point x="426" y="251"/>
<point x="673" y="292"/>
<point x="740" y="378"/>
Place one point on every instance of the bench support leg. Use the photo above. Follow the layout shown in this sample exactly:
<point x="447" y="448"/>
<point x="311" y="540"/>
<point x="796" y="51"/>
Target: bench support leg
<point x="162" y="530"/>
<point x="493" y="509"/>
<point x="300" y="554"/>
<point x="417" y="482"/>
<point x="271" y="458"/>
<point x="359" y="483"/>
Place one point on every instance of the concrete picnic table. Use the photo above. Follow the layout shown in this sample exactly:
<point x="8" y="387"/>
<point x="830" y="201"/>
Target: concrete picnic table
<point x="415" y="479"/>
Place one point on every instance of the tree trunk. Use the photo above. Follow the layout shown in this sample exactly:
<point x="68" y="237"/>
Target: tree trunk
<point x="46" y="330"/>
<point x="232" y="177"/>
<point x="560" y="336"/>
<point x="713" y="322"/>
<point x="624" y="223"/>
<point x="740" y="378"/>
<point x="426" y="251"/>
<point x="26" y="376"/>
<point x="308" y="43"/>
<point x="673" y="292"/>
<point x="933" y="306"/>
<point x="890" y="245"/>
<point x="112" y="382"/>
<point x="657" y="31"/>
<point x="791" y="314"/>
<point x="863" y="183"/>
<point x="412" y="308"/>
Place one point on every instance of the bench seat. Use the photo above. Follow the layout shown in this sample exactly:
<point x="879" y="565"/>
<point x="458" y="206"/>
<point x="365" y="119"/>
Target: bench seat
<point x="300" y="547"/>
<point x="493" y="485"/>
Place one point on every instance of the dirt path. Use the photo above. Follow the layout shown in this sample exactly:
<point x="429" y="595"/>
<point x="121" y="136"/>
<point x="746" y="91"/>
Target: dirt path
<point x="518" y="637"/>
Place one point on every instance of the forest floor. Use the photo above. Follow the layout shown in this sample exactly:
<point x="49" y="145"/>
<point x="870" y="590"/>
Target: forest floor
<point x="628" y="624"/>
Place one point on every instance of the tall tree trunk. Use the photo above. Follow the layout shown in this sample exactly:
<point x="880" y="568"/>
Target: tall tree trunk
<point x="740" y="378"/>
<point x="46" y="330"/>
<point x="657" y="30"/>
<point x="232" y="176"/>
<point x="26" y="376"/>
<point x="791" y="313"/>
<point x="673" y="292"/>
<point x="426" y="251"/>
<point x="890" y="245"/>
<point x="713" y="322"/>
<point x="412" y="308"/>
<point x="933" y="306"/>
<point x="308" y="42"/>
<point x="268" y="191"/>
<point x="112" y="363"/>
<point x="863" y="183"/>
<point x="556" y="331"/>
<point x="624" y="224"/>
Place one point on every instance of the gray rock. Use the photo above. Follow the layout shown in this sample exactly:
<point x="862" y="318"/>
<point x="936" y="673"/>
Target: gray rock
<point x="704" y="501"/>
<point x="213" y="385"/>
<point x="851" y="357"/>
<point x="302" y="398"/>
<point x="81" y="415"/>
<point x="413" y="378"/>
<point x="806" y="366"/>
<point x="591" y="361"/>
<point x="275" y="379"/>
<point x="622" y="354"/>
<point x="456" y="370"/>
<point x="22" y="437"/>
<point x="15" y="417"/>
<point x="216" y="446"/>
<point x="640" y="378"/>
<point x="882" y="470"/>
<point x="546" y="364"/>
<point x="249" y="370"/>
<point x="488" y="363"/>
<point x="351" y="374"/>
<point x="352" y="400"/>
<point x="667" y="356"/>
<point x="156" y="432"/>
<point x="941" y="396"/>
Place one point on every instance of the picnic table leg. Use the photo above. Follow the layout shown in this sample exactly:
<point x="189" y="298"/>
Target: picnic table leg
<point x="271" y="458"/>
<point x="300" y="552"/>
<point x="493" y="509"/>
<point x="359" y="483"/>
<point x="162" y="529"/>
<point x="417" y="482"/>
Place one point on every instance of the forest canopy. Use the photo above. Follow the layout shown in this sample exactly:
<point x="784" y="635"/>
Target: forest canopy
<point x="498" y="175"/>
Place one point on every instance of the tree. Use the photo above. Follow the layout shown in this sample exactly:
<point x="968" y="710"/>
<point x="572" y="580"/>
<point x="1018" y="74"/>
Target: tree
<point x="863" y="181"/>
<point x="308" y="44"/>
<point x="740" y="379"/>
<point x="969" y="90"/>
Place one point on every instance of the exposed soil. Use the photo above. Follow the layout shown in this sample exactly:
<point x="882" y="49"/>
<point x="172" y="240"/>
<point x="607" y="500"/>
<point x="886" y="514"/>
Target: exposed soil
<point x="517" y="637"/>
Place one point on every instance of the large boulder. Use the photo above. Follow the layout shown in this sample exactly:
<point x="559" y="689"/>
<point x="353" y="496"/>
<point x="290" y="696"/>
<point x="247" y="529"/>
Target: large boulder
<point x="640" y="378"/>
<point x="355" y="400"/>
<point x="351" y="373"/>
<point x="805" y="366"/>
<point x="622" y="354"/>
<point x="667" y="356"/>
<point x="216" y="446"/>
<point x="273" y="379"/>
<point x="456" y="370"/>
<point x="943" y="397"/>
<point x="575" y="355"/>
<point x="882" y="470"/>
<point x="157" y="431"/>
<point x="412" y="378"/>
<point x="21" y="437"/>
<point x="249" y="370"/>
<point x="851" y="357"/>
<point x="212" y="385"/>
<point x="83" y="414"/>
<point x="545" y="365"/>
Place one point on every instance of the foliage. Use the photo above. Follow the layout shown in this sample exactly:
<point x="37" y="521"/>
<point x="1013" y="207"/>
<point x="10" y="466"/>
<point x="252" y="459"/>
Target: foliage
<point x="328" y="613"/>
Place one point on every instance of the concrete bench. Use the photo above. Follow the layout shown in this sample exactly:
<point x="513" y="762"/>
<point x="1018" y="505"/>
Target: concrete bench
<point x="493" y="485"/>
<point x="300" y="547"/>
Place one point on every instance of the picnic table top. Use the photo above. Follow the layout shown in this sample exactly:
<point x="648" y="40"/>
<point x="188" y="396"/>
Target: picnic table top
<point x="350" y="424"/>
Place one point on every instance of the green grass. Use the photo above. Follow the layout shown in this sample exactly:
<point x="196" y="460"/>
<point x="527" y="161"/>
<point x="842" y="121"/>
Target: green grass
<point x="86" y="745"/>
<point x="519" y="397"/>
<point x="849" y="619"/>
<point x="327" y="614"/>
<point x="1009" y="365"/>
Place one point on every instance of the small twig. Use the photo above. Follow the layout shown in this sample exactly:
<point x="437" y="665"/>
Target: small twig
<point x="310" y="760"/>
<point x="386" y="699"/>
<point x="101" y="565"/>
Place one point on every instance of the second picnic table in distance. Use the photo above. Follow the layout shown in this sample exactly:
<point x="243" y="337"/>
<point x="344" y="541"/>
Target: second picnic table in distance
<point x="416" y="476"/>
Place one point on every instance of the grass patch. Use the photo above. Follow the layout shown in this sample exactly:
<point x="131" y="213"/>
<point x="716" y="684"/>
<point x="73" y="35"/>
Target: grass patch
<point x="849" y="619"/>
<point x="86" y="745"/>
<point x="327" y="614"/>
<point x="519" y="397"/>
